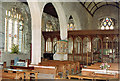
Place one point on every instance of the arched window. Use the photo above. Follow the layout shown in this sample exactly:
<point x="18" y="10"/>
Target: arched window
<point x="107" y="24"/>
<point x="13" y="29"/>
<point x="78" y="45"/>
<point x="71" y="23"/>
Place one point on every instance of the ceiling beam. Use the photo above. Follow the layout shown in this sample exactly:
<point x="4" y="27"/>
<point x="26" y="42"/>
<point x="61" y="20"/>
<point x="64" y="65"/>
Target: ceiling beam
<point x="85" y="2"/>
<point x="89" y="4"/>
<point x="86" y="8"/>
<point x="94" y="6"/>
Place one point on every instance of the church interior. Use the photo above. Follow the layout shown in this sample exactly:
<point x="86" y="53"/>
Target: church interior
<point x="59" y="40"/>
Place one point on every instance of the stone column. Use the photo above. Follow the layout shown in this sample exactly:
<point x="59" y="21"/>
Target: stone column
<point x="36" y="16"/>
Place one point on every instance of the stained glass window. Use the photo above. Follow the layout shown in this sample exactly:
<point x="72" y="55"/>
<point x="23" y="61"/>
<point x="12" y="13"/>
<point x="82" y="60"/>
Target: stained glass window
<point x="20" y="36"/>
<point x="107" y="24"/>
<point x="13" y="30"/>
<point x="9" y="35"/>
<point x="71" y="24"/>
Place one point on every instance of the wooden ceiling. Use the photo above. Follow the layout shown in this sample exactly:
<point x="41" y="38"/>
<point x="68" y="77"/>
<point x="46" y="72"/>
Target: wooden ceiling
<point x="92" y="7"/>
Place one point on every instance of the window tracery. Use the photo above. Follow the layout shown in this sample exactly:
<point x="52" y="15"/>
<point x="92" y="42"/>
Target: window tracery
<point x="13" y="29"/>
<point x="107" y="24"/>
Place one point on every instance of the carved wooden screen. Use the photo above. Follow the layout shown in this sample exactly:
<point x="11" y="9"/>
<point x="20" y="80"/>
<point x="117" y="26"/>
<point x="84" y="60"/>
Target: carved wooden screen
<point x="77" y="49"/>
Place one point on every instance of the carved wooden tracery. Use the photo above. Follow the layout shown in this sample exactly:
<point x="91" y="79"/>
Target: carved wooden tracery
<point x="91" y="35"/>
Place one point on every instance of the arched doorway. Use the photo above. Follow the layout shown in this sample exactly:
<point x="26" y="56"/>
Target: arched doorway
<point x="50" y="23"/>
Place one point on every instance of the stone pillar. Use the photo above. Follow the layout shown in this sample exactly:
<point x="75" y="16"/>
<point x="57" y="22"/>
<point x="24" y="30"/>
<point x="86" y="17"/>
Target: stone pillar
<point x="36" y="9"/>
<point x="36" y="16"/>
<point x="63" y="29"/>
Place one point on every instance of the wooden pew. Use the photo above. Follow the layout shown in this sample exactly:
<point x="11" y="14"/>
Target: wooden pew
<point x="45" y="70"/>
<point x="60" y="68"/>
<point x="70" y="65"/>
<point x="18" y="74"/>
<point x="95" y="70"/>
<point x="11" y="75"/>
<point x="63" y="67"/>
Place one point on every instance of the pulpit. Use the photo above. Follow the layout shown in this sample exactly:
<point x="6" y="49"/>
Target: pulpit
<point x="62" y="51"/>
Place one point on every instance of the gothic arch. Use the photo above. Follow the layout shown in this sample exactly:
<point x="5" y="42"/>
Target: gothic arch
<point x="62" y="18"/>
<point x="36" y="10"/>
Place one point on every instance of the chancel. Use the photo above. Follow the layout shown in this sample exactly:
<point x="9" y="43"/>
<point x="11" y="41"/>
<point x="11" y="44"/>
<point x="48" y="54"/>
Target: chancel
<point x="59" y="40"/>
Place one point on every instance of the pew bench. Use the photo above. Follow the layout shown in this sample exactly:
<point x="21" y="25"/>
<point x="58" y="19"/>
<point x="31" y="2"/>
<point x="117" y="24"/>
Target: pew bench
<point x="93" y="78"/>
<point x="19" y="74"/>
<point x="70" y="66"/>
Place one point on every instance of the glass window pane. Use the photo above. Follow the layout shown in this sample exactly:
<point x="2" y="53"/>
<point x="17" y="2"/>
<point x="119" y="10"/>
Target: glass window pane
<point x="6" y="34"/>
<point x="106" y="24"/>
<point x="10" y="35"/>
<point x="6" y="12"/>
<point x="9" y="13"/>
<point x="20" y="40"/>
<point x="15" y="32"/>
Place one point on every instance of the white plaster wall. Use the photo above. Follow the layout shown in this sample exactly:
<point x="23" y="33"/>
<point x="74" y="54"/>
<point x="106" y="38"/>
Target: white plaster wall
<point x="105" y="11"/>
<point x="81" y="17"/>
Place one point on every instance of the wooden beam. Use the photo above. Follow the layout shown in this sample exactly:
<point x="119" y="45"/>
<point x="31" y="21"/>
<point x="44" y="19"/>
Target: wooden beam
<point x="86" y="8"/>
<point x="89" y="5"/>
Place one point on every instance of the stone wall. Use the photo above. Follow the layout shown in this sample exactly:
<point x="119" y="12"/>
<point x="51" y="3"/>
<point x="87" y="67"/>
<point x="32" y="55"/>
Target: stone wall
<point x="55" y="23"/>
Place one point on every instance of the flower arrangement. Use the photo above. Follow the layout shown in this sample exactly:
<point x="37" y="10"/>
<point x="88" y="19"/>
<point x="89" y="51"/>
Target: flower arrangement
<point x="104" y="66"/>
<point x="14" y="49"/>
